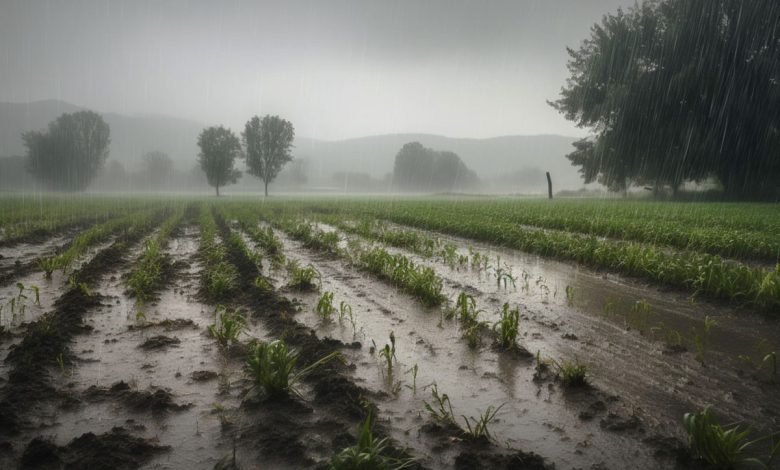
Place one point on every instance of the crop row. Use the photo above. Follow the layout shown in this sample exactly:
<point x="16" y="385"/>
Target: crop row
<point x="148" y="273"/>
<point x="749" y="231"/>
<point x="91" y="237"/>
<point x="700" y="273"/>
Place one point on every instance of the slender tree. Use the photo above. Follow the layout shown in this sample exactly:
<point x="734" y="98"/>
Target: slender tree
<point x="69" y="154"/>
<point x="219" y="148"/>
<point x="267" y="143"/>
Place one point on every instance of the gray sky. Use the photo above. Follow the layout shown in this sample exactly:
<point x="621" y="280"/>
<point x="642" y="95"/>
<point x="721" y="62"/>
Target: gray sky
<point x="336" y="69"/>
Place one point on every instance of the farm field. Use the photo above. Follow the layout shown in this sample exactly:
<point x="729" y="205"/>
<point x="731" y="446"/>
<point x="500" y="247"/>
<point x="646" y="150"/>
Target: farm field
<point x="241" y="332"/>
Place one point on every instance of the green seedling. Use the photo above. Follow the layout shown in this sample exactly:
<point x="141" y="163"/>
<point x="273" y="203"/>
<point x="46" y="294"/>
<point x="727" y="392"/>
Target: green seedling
<point x="477" y="428"/>
<point x="368" y="453"/>
<point x="325" y="308"/>
<point x="441" y="409"/>
<point x="571" y="374"/>
<point x="228" y="326"/>
<point x="508" y="327"/>
<point x="724" y="446"/>
<point x="272" y="367"/>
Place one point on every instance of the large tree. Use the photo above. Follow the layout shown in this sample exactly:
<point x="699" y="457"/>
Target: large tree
<point x="267" y="142"/>
<point x="418" y="168"/>
<point x="69" y="154"/>
<point x="678" y="90"/>
<point x="219" y="148"/>
<point x="158" y="169"/>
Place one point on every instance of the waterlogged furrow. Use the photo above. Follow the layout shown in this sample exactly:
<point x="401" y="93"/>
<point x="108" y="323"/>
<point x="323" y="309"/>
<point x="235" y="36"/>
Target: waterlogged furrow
<point x="668" y="381"/>
<point x="703" y="274"/>
<point x="46" y="344"/>
<point x="428" y="351"/>
<point x="150" y="270"/>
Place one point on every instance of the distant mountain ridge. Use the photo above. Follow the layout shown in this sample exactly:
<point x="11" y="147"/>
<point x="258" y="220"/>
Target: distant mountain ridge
<point x="133" y="135"/>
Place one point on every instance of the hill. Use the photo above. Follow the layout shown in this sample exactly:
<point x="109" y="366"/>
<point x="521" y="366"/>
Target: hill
<point x="508" y="163"/>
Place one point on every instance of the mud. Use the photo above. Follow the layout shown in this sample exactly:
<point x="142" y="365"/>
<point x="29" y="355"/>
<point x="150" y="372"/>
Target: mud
<point x="537" y="416"/>
<point x="155" y="400"/>
<point x="160" y="342"/>
<point x="115" y="450"/>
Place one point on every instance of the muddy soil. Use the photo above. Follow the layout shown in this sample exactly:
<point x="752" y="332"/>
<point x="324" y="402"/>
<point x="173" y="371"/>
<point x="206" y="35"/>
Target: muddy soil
<point x="536" y="417"/>
<point x="594" y="316"/>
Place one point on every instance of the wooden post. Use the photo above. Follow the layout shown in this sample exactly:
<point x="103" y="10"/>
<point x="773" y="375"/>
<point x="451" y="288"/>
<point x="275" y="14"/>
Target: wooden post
<point x="549" y="185"/>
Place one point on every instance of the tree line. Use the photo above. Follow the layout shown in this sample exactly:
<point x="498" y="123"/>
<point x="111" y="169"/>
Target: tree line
<point x="680" y="90"/>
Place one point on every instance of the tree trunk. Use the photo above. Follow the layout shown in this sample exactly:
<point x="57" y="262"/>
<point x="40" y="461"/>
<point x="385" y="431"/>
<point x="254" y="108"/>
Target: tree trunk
<point x="217" y="190"/>
<point x="266" y="188"/>
<point x="549" y="186"/>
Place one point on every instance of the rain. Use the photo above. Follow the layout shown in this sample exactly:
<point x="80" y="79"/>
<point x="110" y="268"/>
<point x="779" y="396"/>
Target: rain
<point x="380" y="235"/>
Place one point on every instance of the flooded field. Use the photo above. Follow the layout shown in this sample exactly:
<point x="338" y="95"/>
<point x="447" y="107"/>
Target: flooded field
<point x="232" y="334"/>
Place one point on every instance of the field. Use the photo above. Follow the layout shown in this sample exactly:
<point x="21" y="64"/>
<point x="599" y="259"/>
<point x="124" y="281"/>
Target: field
<point x="418" y="333"/>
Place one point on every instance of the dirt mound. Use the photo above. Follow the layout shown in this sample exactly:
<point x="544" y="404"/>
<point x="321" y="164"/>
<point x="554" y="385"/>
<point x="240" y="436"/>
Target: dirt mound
<point x="115" y="450"/>
<point x="167" y="325"/>
<point x="160" y="342"/>
<point x="154" y="400"/>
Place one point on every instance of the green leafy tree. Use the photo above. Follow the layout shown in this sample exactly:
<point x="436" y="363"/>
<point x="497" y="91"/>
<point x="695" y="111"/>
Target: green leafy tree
<point x="267" y="142"/>
<point x="680" y="90"/>
<point x="69" y="154"/>
<point x="219" y="148"/>
<point x="158" y="169"/>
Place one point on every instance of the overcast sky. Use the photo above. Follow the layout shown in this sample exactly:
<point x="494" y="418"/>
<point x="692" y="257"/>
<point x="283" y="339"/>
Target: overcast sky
<point x="336" y="69"/>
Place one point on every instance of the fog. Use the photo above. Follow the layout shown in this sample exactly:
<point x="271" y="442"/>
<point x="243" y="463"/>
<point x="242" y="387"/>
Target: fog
<point x="356" y="79"/>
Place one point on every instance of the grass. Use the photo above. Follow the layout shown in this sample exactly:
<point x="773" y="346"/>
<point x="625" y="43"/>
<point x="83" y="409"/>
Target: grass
<point x="477" y="428"/>
<point x="228" y="325"/>
<point x="273" y="368"/>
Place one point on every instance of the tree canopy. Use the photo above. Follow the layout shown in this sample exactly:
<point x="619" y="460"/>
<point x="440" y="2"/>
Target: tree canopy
<point x="267" y="143"/>
<point x="68" y="155"/>
<point x="219" y="148"/>
<point x="680" y="90"/>
<point x="418" y="168"/>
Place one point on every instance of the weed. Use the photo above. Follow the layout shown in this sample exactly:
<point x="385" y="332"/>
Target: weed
<point x="414" y="370"/>
<point x="228" y="325"/>
<point x="570" y="296"/>
<point x="388" y="353"/>
<point x="221" y="280"/>
<point x="345" y="310"/>
<point x="508" y="327"/>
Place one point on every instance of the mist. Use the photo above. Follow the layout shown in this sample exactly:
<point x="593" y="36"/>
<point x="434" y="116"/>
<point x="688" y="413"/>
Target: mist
<point x="358" y="80"/>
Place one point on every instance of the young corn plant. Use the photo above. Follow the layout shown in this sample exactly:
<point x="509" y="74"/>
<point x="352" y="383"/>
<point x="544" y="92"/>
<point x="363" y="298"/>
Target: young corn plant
<point x="228" y="326"/>
<point x="325" y="308"/>
<point x="272" y="366"/>
<point x="441" y="408"/>
<point x="508" y="327"/>
<point x="724" y="446"/>
<point x="388" y="353"/>
<point x="477" y="428"/>
<point x="303" y="278"/>
<point x="221" y="280"/>
<point x="368" y="453"/>
<point x="571" y="374"/>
